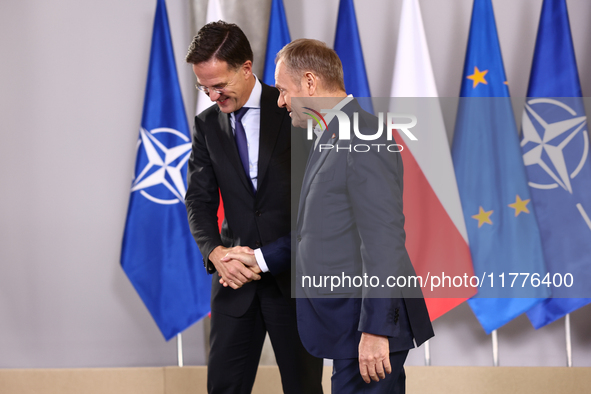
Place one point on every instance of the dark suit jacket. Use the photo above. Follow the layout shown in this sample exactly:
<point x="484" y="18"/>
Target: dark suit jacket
<point x="254" y="220"/>
<point x="350" y="221"/>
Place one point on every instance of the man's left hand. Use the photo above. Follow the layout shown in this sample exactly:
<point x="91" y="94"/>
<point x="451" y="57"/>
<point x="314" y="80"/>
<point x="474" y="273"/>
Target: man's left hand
<point x="246" y="257"/>
<point x="374" y="357"/>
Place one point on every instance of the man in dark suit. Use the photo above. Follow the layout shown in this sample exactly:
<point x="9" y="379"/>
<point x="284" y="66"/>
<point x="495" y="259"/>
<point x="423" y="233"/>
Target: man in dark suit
<point x="350" y="222"/>
<point x="241" y="150"/>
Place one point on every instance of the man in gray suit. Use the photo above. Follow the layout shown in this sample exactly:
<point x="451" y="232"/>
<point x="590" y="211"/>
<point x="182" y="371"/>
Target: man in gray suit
<point x="350" y="222"/>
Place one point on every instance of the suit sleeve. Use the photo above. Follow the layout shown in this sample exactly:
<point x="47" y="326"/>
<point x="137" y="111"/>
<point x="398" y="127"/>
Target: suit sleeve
<point x="202" y="199"/>
<point x="374" y="186"/>
<point x="278" y="255"/>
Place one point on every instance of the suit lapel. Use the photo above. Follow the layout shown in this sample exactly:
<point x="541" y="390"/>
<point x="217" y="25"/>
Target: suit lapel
<point x="315" y="163"/>
<point x="229" y="145"/>
<point x="318" y="158"/>
<point x="271" y="118"/>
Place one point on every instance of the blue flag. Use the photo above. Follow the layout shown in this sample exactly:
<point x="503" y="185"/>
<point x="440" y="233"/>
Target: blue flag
<point x="277" y="38"/>
<point x="502" y="229"/>
<point x="348" y="46"/>
<point x="159" y="255"/>
<point x="555" y="148"/>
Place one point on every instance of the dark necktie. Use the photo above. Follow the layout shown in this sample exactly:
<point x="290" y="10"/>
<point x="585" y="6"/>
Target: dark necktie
<point x="241" y="143"/>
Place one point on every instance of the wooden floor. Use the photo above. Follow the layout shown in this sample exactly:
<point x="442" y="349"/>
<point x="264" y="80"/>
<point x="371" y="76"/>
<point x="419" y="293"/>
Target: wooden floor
<point x="191" y="380"/>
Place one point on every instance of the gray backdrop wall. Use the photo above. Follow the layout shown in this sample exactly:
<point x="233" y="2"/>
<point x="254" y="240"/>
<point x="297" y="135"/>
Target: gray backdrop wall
<point x="72" y="84"/>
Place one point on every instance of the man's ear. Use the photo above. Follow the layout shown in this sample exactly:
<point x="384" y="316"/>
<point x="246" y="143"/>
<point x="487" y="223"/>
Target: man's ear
<point x="311" y="83"/>
<point x="247" y="69"/>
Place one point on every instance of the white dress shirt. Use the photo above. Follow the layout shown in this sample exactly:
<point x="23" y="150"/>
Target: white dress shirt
<point x="252" y="127"/>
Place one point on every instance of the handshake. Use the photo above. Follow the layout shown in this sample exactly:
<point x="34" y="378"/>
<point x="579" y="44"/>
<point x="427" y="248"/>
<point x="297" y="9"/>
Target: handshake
<point x="235" y="266"/>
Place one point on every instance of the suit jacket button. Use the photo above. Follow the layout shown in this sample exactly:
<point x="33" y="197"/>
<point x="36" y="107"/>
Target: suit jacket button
<point x="258" y="213"/>
<point x="299" y="238"/>
<point x="257" y="244"/>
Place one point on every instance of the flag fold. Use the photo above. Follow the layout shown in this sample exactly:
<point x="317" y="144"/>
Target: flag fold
<point x="277" y="38"/>
<point x="347" y="45"/>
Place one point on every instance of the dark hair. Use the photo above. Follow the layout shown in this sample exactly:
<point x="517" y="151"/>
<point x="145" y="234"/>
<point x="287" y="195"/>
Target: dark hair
<point x="222" y="41"/>
<point x="303" y="55"/>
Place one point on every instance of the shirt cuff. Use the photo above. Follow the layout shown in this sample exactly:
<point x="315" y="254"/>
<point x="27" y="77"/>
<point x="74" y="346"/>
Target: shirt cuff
<point x="258" y="255"/>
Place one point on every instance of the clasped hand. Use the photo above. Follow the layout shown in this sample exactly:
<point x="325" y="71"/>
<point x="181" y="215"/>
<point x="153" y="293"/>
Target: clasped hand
<point x="235" y="266"/>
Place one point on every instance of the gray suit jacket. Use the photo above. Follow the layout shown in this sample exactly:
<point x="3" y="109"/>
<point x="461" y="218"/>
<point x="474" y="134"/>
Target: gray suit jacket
<point x="350" y="224"/>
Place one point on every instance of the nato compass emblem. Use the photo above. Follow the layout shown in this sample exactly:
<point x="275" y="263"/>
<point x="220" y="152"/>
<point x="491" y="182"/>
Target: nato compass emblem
<point x="555" y="139"/>
<point x="161" y="177"/>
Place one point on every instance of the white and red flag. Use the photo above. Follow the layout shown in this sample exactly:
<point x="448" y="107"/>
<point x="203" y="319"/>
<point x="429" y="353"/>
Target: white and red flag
<point x="437" y="240"/>
<point x="214" y="14"/>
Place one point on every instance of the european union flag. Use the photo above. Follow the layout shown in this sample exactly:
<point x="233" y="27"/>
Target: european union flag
<point x="277" y="38"/>
<point x="502" y="229"/>
<point x="555" y="146"/>
<point x="347" y="45"/>
<point x="159" y="254"/>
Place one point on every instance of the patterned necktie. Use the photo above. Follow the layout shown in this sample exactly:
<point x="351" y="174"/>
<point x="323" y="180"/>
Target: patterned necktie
<point x="241" y="143"/>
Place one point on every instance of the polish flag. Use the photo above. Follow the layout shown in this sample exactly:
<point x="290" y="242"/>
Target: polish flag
<point x="437" y="240"/>
<point x="214" y="14"/>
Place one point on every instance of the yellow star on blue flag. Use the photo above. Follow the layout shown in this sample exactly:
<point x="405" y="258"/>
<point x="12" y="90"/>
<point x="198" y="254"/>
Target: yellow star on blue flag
<point x="520" y="205"/>
<point x="483" y="217"/>
<point x="478" y="77"/>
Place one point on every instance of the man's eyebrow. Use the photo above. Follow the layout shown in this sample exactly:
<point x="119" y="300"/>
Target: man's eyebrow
<point x="213" y="86"/>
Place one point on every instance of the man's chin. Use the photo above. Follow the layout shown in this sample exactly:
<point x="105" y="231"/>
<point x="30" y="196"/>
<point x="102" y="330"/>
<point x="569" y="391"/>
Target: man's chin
<point x="297" y="121"/>
<point x="225" y="105"/>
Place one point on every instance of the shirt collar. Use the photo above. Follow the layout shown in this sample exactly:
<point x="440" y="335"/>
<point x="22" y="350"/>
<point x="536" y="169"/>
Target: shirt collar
<point x="254" y="101"/>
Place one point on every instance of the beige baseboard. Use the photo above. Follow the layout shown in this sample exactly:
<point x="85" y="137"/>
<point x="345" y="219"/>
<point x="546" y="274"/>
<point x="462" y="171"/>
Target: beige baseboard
<point x="505" y="380"/>
<point x="191" y="380"/>
<point x="82" y="381"/>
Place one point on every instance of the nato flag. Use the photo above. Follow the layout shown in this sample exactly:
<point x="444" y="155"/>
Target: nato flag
<point x="277" y="38"/>
<point x="159" y="254"/>
<point x="502" y="229"/>
<point x="555" y="147"/>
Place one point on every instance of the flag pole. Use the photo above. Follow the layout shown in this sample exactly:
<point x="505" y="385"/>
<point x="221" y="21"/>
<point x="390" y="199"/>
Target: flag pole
<point x="179" y="349"/>
<point x="427" y="354"/>
<point x="495" y="348"/>
<point x="569" y="349"/>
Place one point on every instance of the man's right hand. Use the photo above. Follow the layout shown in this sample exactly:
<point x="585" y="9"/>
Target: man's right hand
<point x="246" y="257"/>
<point x="233" y="272"/>
<point x="374" y="357"/>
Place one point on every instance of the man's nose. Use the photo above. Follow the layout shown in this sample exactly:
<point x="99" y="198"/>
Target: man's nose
<point x="213" y="95"/>
<point x="280" y="101"/>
